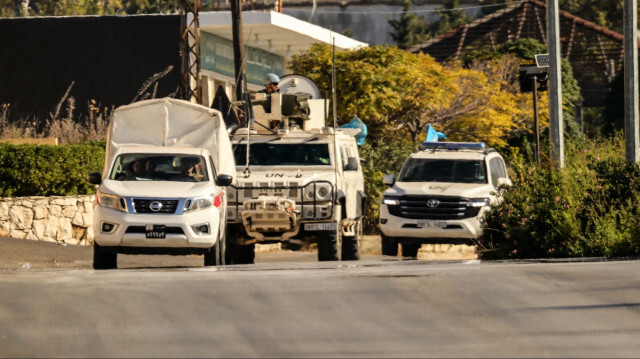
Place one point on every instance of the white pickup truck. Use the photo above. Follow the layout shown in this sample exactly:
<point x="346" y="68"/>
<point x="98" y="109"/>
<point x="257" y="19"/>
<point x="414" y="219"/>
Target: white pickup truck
<point x="163" y="188"/>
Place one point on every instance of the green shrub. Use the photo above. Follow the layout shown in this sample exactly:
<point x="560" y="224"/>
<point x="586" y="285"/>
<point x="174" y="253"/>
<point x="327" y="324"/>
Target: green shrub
<point x="379" y="159"/>
<point x="589" y="208"/>
<point x="47" y="170"/>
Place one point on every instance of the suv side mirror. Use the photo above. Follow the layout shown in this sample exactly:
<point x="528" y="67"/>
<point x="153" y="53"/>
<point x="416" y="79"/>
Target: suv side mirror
<point x="389" y="180"/>
<point x="224" y="180"/>
<point x="94" y="178"/>
<point x="352" y="164"/>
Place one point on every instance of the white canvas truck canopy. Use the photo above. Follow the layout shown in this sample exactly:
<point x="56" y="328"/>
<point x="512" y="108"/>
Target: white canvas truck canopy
<point x="170" y="122"/>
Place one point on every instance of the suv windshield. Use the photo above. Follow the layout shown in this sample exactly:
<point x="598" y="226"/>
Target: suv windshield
<point x="267" y="154"/>
<point x="145" y="167"/>
<point x="443" y="170"/>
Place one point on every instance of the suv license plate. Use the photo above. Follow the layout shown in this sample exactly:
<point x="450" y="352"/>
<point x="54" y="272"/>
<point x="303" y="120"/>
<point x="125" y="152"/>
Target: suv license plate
<point x="156" y="231"/>
<point x="427" y="223"/>
<point x="320" y="226"/>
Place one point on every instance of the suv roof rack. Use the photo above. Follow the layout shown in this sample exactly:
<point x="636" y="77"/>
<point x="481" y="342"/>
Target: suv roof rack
<point x="453" y="146"/>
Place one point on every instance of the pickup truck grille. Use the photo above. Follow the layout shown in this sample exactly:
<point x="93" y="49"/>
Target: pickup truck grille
<point x="417" y="207"/>
<point x="144" y="205"/>
<point x="143" y="229"/>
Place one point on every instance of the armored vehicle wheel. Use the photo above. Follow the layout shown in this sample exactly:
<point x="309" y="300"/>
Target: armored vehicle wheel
<point x="104" y="259"/>
<point x="243" y="254"/>
<point x="410" y="250"/>
<point x="329" y="244"/>
<point x="351" y="244"/>
<point x="389" y="246"/>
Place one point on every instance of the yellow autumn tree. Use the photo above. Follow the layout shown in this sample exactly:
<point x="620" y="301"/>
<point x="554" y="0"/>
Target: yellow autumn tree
<point x="398" y="94"/>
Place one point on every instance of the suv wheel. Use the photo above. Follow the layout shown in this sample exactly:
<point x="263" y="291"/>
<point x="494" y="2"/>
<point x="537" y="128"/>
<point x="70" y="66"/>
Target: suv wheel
<point x="104" y="259"/>
<point x="410" y="250"/>
<point x="389" y="246"/>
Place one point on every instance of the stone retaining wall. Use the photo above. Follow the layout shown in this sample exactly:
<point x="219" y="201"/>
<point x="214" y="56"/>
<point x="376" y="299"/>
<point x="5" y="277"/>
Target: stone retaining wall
<point x="58" y="219"/>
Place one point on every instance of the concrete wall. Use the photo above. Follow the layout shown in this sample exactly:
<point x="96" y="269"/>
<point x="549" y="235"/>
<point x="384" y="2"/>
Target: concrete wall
<point x="54" y="219"/>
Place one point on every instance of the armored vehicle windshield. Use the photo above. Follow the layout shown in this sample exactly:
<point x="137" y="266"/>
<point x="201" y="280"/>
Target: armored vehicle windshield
<point x="269" y="154"/>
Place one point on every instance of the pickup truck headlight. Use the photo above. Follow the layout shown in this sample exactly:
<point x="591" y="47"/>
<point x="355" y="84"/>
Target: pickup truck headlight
<point x="197" y="203"/>
<point x="204" y="202"/>
<point x="111" y="201"/>
<point x="390" y="201"/>
<point x="478" y="202"/>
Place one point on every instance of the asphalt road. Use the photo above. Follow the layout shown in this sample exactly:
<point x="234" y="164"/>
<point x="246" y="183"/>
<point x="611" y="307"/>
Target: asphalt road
<point x="373" y="308"/>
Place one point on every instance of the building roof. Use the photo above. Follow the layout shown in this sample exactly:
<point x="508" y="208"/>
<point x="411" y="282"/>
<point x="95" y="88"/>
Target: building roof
<point x="275" y="32"/>
<point x="595" y="52"/>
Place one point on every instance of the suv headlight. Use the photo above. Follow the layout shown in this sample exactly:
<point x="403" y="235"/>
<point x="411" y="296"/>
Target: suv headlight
<point x="478" y="202"/>
<point x="111" y="201"/>
<point x="391" y="201"/>
<point x="197" y="203"/>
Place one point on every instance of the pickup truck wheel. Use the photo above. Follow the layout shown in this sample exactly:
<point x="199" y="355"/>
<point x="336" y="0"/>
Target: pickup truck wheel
<point x="410" y="250"/>
<point x="211" y="256"/>
<point x="214" y="255"/>
<point x="329" y="243"/>
<point x="104" y="259"/>
<point x="389" y="246"/>
<point x="243" y="254"/>
<point x="351" y="244"/>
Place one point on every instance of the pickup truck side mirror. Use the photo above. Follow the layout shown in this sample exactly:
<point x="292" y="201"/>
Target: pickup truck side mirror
<point x="503" y="181"/>
<point x="352" y="164"/>
<point x="94" y="177"/>
<point x="389" y="180"/>
<point x="224" y="180"/>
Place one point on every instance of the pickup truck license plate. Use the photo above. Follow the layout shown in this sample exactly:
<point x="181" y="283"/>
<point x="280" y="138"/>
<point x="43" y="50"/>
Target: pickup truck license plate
<point x="156" y="231"/>
<point x="320" y="226"/>
<point x="428" y="223"/>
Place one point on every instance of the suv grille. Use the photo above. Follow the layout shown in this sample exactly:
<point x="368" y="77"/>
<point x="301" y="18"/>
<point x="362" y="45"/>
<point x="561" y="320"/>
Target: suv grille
<point x="143" y="205"/>
<point x="416" y="207"/>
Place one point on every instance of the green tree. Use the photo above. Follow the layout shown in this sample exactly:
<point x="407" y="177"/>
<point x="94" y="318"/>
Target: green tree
<point x="525" y="50"/>
<point x="409" y="29"/>
<point x="12" y="8"/>
<point x="451" y="17"/>
<point x="402" y="93"/>
<point x="605" y="13"/>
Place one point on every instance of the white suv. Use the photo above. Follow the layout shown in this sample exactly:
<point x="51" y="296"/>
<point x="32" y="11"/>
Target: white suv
<point x="441" y="195"/>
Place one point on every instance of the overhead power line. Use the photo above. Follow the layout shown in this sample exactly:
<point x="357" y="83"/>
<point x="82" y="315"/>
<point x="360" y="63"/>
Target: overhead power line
<point x="410" y="11"/>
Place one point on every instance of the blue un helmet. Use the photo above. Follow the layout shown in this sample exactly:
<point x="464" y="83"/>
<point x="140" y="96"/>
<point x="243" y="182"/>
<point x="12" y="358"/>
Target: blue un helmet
<point x="271" y="79"/>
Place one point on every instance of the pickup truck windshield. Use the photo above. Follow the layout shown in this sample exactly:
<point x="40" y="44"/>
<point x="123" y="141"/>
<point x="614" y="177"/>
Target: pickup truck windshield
<point x="267" y="154"/>
<point x="146" y="167"/>
<point x="443" y="170"/>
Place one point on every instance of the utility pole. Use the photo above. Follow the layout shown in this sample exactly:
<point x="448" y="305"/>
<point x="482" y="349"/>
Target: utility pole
<point x="238" y="48"/>
<point x="535" y="118"/>
<point x="190" y="87"/>
<point x="631" y="81"/>
<point x="556" y="125"/>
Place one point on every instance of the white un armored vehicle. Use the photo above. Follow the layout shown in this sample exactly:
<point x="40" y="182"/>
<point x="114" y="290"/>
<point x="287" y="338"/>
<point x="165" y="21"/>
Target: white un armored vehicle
<point x="303" y="181"/>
